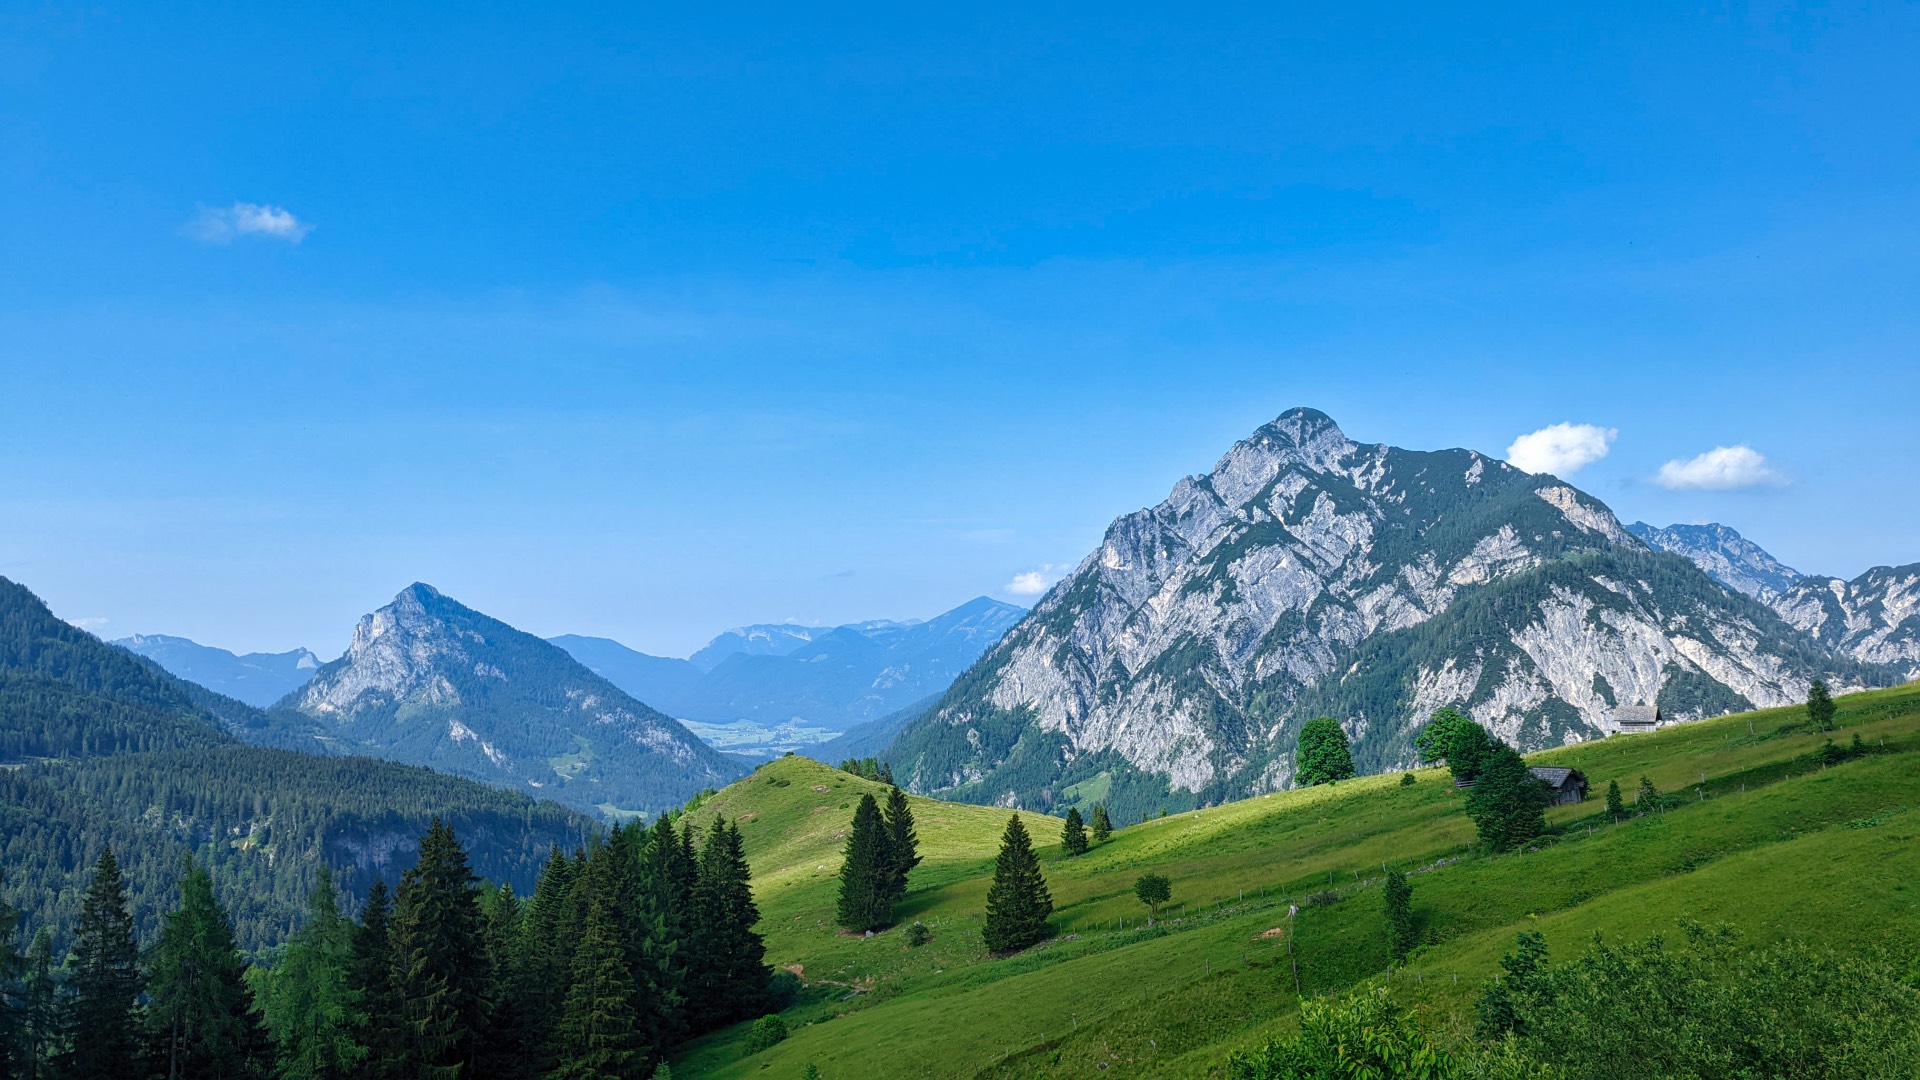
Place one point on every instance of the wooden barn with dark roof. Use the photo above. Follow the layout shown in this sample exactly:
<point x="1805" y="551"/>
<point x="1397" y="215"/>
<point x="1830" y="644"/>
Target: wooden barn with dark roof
<point x="1563" y="785"/>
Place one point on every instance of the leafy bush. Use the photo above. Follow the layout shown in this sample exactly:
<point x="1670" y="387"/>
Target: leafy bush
<point x="1406" y="779"/>
<point x="918" y="934"/>
<point x="767" y="1031"/>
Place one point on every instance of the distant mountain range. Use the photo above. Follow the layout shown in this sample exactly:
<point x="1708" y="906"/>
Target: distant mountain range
<point x="432" y="682"/>
<point x="1308" y="574"/>
<point x="259" y="679"/>
<point x="1875" y="618"/>
<point x="825" y="678"/>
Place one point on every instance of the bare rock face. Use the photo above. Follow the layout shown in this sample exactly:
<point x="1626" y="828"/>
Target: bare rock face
<point x="1725" y="555"/>
<point x="1875" y="618"/>
<point x="1307" y="575"/>
<point x="431" y="682"/>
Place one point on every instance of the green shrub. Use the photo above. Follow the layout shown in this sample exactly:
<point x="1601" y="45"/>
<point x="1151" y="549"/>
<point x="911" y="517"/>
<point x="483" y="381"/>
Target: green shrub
<point x="918" y="934"/>
<point x="767" y="1031"/>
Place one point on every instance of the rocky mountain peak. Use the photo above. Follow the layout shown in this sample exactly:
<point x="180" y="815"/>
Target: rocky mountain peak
<point x="1725" y="555"/>
<point x="1308" y="574"/>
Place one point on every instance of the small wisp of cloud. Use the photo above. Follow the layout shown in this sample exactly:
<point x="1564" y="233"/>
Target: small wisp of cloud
<point x="1561" y="449"/>
<point x="92" y="624"/>
<point x="1723" y="468"/>
<point x="1035" y="582"/>
<point x="224" y="225"/>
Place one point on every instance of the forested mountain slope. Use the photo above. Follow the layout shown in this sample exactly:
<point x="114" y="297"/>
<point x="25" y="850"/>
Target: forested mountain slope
<point x="105" y="747"/>
<point x="1310" y="574"/>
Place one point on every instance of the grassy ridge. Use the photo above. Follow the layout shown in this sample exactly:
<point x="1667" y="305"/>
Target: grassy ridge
<point x="1766" y="839"/>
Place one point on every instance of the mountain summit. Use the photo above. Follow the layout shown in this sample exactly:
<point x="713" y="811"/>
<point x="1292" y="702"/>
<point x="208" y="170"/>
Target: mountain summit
<point x="1726" y="556"/>
<point x="1308" y="574"/>
<point x="430" y="681"/>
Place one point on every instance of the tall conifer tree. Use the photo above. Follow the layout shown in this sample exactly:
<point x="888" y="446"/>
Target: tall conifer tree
<point x="439" y="961"/>
<point x="370" y="978"/>
<point x="866" y="873"/>
<point x="311" y="1006"/>
<point x="13" y="1023"/>
<point x="104" y="981"/>
<point x="1018" y="903"/>
<point x="1102" y="825"/>
<point x="903" y="845"/>
<point x="598" y="1034"/>
<point x="40" y="1009"/>
<point x="200" y="1016"/>
<point x="736" y="970"/>
<point x="1073" y="835"/>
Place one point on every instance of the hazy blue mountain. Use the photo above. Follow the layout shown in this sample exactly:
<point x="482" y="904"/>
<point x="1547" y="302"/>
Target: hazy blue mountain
<point x="661" y="681"/>
<point x="259" y="679"/>
<point x="432" y="682"/>
<point x="1726" y="556"/>
<point x="1310" y="575"/>
<point x="777" y="687"/>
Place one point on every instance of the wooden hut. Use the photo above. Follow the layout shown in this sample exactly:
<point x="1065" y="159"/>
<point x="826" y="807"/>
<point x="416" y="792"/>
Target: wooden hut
<point x="1636" y="719"/>
<point x="1563" y="785"/>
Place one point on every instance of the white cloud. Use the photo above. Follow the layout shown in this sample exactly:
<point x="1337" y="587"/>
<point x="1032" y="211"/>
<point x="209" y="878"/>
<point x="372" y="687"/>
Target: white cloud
<point x="221" y="225"/>
<point x="1723" y="468"/>
<point x="1035" y="582"/>
<point x="1561" y="449"/>
<point x="91" y="624"/>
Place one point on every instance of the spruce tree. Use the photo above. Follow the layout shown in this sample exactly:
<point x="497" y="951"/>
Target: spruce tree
<point x="1820" y="707"/>
<point x="502" y="1053"/>
<point x="1018" y="904"/>
<point x="1102" y="825"/>
<point x="598" y="1036"/>
<point x="310" y="1004"/>
<point x="40" y="1009"/>
<point x="544" y="965"/>
<point x="736" y="974"/>
<point x="903" y="845"/>
<point x="200" y="1016"/>
<point x="1507" y="804"/>
<point x="1615" y="808"/>
<point x="103" y="979"/>
<point x="660" y="927"/>
<point x="1073" y="834"/>
<point x="1322" y="755"/>
<point x="866" y="873"/>
<point x="370" y="981"/>
<point x="1647" y="799"/>
<point x="1397" y="899"/>
<point x="439" y="961"/>
<point x="13" y="967"/>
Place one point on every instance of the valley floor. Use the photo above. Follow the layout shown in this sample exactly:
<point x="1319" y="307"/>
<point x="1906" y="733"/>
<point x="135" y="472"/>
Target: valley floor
<point x="1767" y="839"/>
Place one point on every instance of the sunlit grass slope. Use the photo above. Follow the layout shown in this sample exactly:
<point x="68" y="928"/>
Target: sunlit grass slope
<point x="1767" y="839"/>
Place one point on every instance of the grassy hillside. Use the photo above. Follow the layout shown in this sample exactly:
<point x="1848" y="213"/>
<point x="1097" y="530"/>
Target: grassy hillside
<point x="1767" y="839"/>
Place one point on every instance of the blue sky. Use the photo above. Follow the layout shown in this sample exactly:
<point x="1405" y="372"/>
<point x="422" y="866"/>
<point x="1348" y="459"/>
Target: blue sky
<point x="645" y="323"/>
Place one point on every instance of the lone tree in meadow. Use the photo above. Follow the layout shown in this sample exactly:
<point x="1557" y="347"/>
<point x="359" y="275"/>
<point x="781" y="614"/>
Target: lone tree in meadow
<point x="1153" y="890"/>
<point x="1073" y="835"/>
<point x="1397" y="897"/>
<point x="1018" y="904"/>
<point x="1102" y="827"/>
<point x="1615" y="807"/>
<point x="1647" y="799"/>
<point x="1456" y="740"/>
<point x="1820" y="707"/>
<point x="1507" y="804"/>
<point x="866" y="875"/>
<point x="1322" y="756"/>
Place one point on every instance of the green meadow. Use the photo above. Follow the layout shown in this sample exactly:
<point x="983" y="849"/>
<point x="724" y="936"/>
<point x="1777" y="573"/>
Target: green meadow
<point x="1278" y="896"/>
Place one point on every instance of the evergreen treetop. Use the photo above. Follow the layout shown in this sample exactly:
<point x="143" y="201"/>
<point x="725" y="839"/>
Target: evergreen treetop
<point x="1073" y="834"/>
<point x="1102" y="825"/>
<point x="903" y="844"/>
<point x="1820" y="706"/>
<point x="200" y="1015"/>
<point x="866" y="873"/>
<point x="1018" y="903"/>
<point x="103" y="981"/>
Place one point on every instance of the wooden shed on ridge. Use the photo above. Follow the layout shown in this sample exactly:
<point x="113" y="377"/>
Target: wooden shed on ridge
<point x="1636" y="719"/>
<point x="1563" y="785"/>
